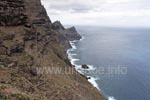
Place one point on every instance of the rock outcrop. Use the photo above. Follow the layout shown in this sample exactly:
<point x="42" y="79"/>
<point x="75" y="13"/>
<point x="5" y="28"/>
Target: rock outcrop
<point x="57" y="26"/>
<point x="29" y="49"/>
<point x="70" y="34"/>
<point x="85" y="67"/>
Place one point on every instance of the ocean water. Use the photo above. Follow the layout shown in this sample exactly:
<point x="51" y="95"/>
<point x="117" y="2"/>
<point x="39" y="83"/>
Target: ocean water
<point x="110" y="47"/>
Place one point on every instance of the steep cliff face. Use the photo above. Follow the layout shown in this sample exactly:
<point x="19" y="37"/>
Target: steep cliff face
<point x="12" y="13"/>
<point x="27" y="42"/>
<point x="70" y="34"/>
<point x="58" y="26"/>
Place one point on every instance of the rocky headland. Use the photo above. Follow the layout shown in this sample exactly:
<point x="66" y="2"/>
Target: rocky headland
<point x="29" y="40"/>
<point x="70" y="33"/>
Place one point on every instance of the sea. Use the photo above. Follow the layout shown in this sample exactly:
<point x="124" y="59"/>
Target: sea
<point x="118" y="59"/>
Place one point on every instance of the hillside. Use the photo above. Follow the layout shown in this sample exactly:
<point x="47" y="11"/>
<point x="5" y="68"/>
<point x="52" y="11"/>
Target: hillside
<point x="29" y="41"/>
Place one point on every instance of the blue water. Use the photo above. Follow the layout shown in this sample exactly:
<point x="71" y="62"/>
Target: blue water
<point x="110" y="47"/>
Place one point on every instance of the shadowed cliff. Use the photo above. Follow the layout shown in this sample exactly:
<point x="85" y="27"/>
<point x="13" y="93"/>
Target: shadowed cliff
<point x="70" y="33"/>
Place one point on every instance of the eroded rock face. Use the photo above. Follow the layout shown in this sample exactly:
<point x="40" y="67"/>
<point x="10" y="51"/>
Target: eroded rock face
<point x="12" y="13"/>
<point x="57" y="26"/>
<point x="70" y="33"/>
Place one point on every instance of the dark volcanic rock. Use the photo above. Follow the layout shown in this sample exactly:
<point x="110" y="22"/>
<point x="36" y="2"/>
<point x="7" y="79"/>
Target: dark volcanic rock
<point x="62" y="38"/>
<point x="57" y="26"/>
<point x="72" y="34"/>
<point x="88" y="77"/>
<point x="72" y="29"/>
<point x="43" y="14"/>
<point x="85" y="67"/>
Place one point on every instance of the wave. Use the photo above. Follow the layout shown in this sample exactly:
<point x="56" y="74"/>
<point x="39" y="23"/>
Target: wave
<point x="82" y="38"/>
<point x="111" y="98"/>
<point x="73" y="54"/>
<point x="73" y="45"/>
<point x="91" y="67"/>
<point x="73" y="61"/>
<point x="92" y="80"/>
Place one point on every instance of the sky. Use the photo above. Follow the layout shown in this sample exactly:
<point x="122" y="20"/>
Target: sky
<point x="132" y="13"/>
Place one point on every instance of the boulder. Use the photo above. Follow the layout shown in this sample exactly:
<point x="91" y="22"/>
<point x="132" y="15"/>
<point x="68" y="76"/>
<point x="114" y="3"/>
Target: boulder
<point x="85" y="67"/>
<point x="88" y="77"/>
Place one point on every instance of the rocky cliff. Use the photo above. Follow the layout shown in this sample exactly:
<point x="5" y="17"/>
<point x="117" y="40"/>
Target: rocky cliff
<point x="12" y="13"/>
<point x="29" y="41"/>
<point x="70" y="34"/>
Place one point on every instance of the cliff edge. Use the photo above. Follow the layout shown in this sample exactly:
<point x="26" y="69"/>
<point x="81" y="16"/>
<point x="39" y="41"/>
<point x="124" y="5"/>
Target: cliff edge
<point x="30" y="47"/>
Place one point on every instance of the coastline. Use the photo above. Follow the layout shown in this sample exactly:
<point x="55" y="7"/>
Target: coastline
<point x="80" y="70"/>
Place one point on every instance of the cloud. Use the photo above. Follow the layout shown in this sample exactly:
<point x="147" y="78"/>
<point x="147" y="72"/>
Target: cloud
<point x="77" y="6"/>
<point x="99" y="12"/>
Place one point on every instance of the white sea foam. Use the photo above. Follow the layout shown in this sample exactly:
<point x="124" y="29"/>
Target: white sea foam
<point x="69" y="50"/>
<point x="91" y="67"/>
<point x="73" y="60"/>
<point x="82" y="38"/>
<point x="111" y="98"/>
<point x="92" y="80"/>
<point x="73" y="46"/>
<point x="78" y="68"/>
<point x="72" y="43"/>
<point x="73" y="54"/>
<point x="70" y="56"/>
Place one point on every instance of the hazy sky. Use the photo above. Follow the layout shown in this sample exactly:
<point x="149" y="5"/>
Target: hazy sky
<point x="100" y="12"/>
